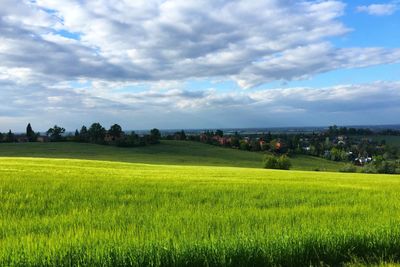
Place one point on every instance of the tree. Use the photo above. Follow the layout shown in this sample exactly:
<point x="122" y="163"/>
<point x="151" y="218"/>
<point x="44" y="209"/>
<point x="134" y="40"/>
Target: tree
<point x="235" y="141"/>
<point x="97" y="133"/>
<point x="243" y="145"/>
<point x="115" y="131"/>
<point x="1" y="137"/>
<point x="183" y="135"/>
<point x="76" y="136"/>
<point x="219" y="133"/>
<point x="179" y="135"/>
<point x="83" y="134"/>
<point x="130" y="140"/>
<point x="155" y="136"/>
<point x="55" y="133"/>
<point x="30" y="134"/>
<point x="284" y="162"/>
<point x="10" y="137"/>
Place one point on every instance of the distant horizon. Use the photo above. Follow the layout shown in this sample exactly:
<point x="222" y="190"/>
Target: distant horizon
<point x="320" y="127"/>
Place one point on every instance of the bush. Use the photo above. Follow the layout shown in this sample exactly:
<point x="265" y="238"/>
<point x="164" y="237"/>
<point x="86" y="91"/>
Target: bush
<point x="284" y="163"/>
<point x="272" y="162"/>
<point x="348" y="168"/>
<point x="369" y="168"/>
<point x="386" y="167"/>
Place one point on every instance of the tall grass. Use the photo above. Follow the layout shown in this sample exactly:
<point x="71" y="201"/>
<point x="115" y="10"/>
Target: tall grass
<point x="76" y="212"/>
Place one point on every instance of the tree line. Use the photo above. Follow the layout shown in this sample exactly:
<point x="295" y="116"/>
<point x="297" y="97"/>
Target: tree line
<point x="96" y="134"/>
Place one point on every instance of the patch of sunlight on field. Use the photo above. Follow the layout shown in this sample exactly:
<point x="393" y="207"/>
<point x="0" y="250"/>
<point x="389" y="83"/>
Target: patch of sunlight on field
<point x="57" y="212"/>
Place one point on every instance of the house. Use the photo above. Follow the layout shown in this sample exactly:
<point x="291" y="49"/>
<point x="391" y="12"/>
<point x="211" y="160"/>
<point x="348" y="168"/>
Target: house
<point x="263" y="144"/>
<point x="203" y="137"/>
<point x="279" y="144"/>
<point x="22" y="138"/>
<point x="341" y="140"/>
<point x="360" y="161"/>
<point x="222" y="140"/>
<point x="43" y="138"/>
<point x="110" y="138"/>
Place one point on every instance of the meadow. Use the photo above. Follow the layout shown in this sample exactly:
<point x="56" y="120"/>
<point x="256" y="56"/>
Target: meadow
<point x="66" y="212"/>
<point x="166" y="153"/>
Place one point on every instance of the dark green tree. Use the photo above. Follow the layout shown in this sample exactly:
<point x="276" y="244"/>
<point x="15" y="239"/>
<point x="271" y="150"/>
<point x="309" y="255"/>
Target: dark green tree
<point x="180" y="135"/>
<point x="219" y="133"/>
<point x="1" y="137"/>
<point x="83" y="134"/>
<point x="76" y="136"/>
<point x="115" y="131"/>
<point x="30" y="134"/>
<point x="155" y="136"/>
<point x="183" y="135"/>
<point x="55" y="133"/>
<point x="10" y="137"/>
<point x="97" y="133"/>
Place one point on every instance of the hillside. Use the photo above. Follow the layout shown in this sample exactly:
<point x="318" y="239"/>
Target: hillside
<point x="74" y="212"/>
<point x="168" y="152"/>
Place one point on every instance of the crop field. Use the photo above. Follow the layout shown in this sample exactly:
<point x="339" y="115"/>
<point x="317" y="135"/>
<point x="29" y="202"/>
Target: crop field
<point x="65" y="212"/>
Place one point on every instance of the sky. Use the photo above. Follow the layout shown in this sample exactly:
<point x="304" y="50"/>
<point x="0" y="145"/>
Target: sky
<point x="179" y="64"/>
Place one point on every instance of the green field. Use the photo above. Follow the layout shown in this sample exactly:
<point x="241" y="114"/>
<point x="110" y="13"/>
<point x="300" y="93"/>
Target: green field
<point x="57" y="212"/>
<point x="167" y="153"/>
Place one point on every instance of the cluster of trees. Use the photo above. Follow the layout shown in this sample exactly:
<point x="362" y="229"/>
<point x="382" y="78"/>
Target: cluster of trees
<point x="97" y="134"/>
<point x="10" y="137"/>
<point x="277" y="162"/>
<point x="181" y="135"/>
<point x="335" y="130"/>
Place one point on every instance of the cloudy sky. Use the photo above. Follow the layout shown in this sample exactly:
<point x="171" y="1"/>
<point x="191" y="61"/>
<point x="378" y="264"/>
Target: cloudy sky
<point x="198" y="64"/>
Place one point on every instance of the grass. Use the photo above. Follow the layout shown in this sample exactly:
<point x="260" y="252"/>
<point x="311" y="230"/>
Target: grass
<point x="59" y="212"/>
<point x="310" y="163"/>
<point x="167" y="153"/>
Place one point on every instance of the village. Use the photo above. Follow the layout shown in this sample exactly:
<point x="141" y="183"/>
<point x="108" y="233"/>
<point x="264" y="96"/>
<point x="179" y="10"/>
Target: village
<point x="359" y="147"/>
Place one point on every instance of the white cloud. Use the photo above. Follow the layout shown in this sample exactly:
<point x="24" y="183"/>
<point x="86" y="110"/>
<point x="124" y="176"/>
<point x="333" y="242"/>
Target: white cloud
<point x="378" y="9"/>
<point x="78" y="60"/>
<point x="179" y="108"/>
<point x="304" y="62"/>
<point x="152" y="41"/>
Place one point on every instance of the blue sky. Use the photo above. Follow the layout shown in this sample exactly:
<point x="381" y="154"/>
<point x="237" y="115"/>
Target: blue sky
<point x="198" y="64"/>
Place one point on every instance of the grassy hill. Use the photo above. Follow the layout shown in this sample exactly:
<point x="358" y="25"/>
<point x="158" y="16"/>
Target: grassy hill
<point x="59" y="212"/>
<point x="168" y="152"/>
